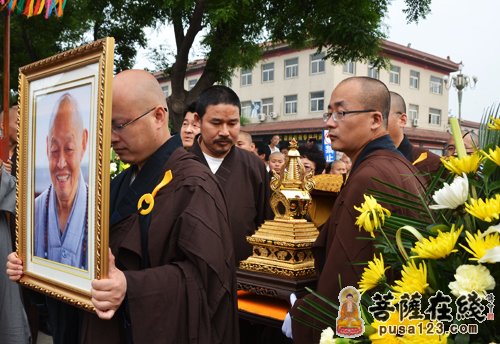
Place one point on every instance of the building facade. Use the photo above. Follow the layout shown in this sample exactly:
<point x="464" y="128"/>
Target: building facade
<point x="288" y="91"/>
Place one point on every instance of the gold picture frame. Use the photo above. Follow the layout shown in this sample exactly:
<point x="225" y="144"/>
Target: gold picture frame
<point x="63" y="174"/>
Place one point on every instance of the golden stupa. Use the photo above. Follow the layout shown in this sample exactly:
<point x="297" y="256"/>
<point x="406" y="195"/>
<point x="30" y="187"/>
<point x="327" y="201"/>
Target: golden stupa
<point x="282" y="246"/>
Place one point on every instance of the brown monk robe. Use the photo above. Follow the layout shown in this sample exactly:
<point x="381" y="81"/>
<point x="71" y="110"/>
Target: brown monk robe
<point x="357" y="122"/>
<point x="246" y="185"/>
<point x="241" y="174"/>
<point x="173" y="278"/>
<point x="188" y="295"/>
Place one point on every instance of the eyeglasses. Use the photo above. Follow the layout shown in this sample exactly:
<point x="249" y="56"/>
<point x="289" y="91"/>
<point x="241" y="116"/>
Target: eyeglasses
<point x="119" y="127"/>
<point x="337" y="116"/>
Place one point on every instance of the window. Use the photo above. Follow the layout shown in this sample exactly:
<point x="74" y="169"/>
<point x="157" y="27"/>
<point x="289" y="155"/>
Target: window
<point x="291" y="104"/>
<point x="413" y="112"/>
<point x="292" y="68"/>
<point x="268" y="72"/>
<point x="246" y="108"/>
<point x="373" y="72"/>
<point x="317" y="63"/>
<point x="191" y="84"/>
<point x="317" y="101"/>
<point x="414" y="79"/>
<point x="436" y="85"/>
<point x="434" y="116"/>
<point x="246" y="77"/>
<point x="350" y="67"/>
<point x="267" y="105"/>
<point x="394" y="74"/>
<point x="165" y="90"/>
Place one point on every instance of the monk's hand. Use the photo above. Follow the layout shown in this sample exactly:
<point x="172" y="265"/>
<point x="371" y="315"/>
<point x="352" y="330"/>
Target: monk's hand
<point x="108" y="293"/>
<point x="14" y="267"/>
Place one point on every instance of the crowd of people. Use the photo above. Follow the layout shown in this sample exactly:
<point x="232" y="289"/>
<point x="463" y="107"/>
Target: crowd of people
<point x="172" y="272"/>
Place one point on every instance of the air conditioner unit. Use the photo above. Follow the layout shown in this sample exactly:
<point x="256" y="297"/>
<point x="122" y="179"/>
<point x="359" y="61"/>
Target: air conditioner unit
<point x="273" y="115"/>
<point x="414" y="122"/>
<point x="262" y="117"/>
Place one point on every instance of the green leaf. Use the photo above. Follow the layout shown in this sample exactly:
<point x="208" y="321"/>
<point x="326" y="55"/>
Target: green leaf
<point x="322" y="298"/>
<point x="395" y="187"/>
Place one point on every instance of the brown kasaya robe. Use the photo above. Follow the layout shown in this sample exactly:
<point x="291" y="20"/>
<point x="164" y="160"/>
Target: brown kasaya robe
<point x="428" y="166"/>
<point x="245" y="182"/>
<point x="188" y="294"/>
<point x="338" y="245"/>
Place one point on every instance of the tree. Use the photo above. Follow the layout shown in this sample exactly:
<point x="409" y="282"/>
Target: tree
<point x="36" y="38"/>
<point x="233" y="33"/>
<point x="235" y="30"/>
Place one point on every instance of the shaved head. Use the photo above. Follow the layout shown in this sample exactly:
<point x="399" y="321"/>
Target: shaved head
<point x="245" y="135"/>
<point x="138" y="99"/>
<point x="67" y="106"/>
<point x="397" y="118"/>
<point x="398" y="104"/>
<point x="139" y="85"/>
<point x="375" y="94"/>
<point x="245" y="141"/>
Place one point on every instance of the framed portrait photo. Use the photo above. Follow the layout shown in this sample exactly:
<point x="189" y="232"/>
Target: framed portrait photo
<point x="63" y="171"/>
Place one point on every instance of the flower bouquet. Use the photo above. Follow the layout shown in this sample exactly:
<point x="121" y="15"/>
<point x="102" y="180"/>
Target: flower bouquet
<point x="436" y="275"/>
<point x="116" y="165"/>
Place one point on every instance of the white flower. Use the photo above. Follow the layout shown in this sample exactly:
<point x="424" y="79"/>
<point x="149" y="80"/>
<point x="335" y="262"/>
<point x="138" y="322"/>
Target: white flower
<point x="491" y="229"/>
<point x="113" y="167"/>
<point x="452" y="195"/>
<point x="327" y="336"/>
<point x="491" y="256"/>
<point x="470" y="278"/>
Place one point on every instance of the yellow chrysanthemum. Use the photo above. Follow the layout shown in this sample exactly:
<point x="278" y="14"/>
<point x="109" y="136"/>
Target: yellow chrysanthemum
<point x="479" y="243"/>
<point x="438" y="247"/>
<point x="373" y="274"/>
<point x="487" y="210"/>
<point x="494" y="155"/>
<point x="495" y="123"/>
<point x="467" y="164"/>
<point x="372" y="215"/>
<point x="412" y="280"/>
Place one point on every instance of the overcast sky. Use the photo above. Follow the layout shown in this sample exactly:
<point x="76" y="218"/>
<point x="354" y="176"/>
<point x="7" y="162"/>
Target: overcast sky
<point x="465" y="30"/>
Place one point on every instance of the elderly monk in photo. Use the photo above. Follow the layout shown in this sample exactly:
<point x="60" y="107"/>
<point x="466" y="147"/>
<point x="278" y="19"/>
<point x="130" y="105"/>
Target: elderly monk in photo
<point x="357" y="122"/>
<point x="61" y="211"/>
<point x="171" y="275"/>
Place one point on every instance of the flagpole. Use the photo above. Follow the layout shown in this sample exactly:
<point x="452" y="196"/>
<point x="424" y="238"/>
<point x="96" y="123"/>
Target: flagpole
<point x="4" y="143"/>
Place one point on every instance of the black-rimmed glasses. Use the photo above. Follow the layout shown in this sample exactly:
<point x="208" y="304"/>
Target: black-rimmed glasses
<point x="119" y="127"/>
<point x="337" y="116"/>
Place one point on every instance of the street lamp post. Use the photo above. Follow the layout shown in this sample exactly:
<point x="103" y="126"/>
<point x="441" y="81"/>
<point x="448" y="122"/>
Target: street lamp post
<point x="460" y="82"/>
